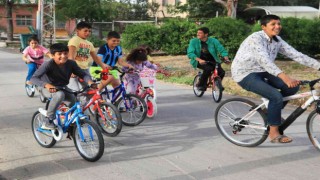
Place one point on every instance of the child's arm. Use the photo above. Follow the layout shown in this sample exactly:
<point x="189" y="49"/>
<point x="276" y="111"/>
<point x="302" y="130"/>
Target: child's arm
<point x="151" y="65"/>
<point x="98" y="60"/>
<point x="36" y="79"/>
<point x="125" y="64"/>
<point x="25" y="55"/>
<point x="72" y="52"/>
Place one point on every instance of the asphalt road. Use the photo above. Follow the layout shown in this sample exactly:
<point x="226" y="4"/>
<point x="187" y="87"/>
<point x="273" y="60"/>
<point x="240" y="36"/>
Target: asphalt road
<point x="182" y="142"/>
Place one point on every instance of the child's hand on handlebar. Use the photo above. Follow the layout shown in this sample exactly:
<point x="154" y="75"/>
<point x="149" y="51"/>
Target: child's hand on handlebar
<point x="130" y="66"/>
<point x="50" y="88"/>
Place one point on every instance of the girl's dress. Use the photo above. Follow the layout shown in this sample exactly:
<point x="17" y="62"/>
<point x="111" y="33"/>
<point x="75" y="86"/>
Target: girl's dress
<point x="132" y="80"/>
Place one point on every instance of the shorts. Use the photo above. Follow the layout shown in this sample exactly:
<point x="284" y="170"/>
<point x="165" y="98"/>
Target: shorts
<point x="114" y="73"/>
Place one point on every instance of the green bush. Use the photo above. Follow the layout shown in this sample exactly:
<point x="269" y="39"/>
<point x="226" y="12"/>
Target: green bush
<point x="230" y="32"/>
<point x="176" y="34"/>
<point x="97" y="42"/>
<point x="138" y="34"/>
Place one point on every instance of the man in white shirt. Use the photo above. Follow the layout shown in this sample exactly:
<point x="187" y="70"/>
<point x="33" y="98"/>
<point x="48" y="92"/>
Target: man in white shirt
<point x="253" y="68"/>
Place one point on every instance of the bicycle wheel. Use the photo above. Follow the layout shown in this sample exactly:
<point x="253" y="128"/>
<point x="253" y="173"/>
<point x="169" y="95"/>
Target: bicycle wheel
<point x="91" y="147"/>
<point x="313" y="129"/>
<point x="151" y="108"/>
<point x="249" y="132"/>
<point x="196" y="91"/>
<point x="217" y="90"/>
<point x="111" y="124"/>
<point x="43" y="137"/>
<point x="30" y="89"/>
<point x="134" y="111"/>
<point x="154" y="93"/>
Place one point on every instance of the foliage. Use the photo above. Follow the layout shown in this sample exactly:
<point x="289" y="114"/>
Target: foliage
<point x="302" y="34"/>
<point x="97" y="42"/>
<point x="201" y="8"/>
<point x="176" y="34"/>
<point x="229" y="32"/>
<point x="138" y="34"/>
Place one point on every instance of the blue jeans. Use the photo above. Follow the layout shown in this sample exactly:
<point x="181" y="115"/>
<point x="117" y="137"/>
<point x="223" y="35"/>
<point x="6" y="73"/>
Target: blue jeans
<point x="268" y="86"/>
<point x="32" y="67"/>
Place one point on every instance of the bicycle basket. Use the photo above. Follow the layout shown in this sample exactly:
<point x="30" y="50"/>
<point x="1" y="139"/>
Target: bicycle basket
<point x="147" y="77"/>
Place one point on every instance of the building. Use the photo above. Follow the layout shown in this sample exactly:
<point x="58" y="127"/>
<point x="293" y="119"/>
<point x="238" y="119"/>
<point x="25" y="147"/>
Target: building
<point x="25" y="15"/>
<point x="256" y="12"/>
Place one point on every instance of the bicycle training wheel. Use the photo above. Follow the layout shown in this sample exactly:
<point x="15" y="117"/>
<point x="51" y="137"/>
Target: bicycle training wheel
<point x="313" y="129"/>
<point x="151" y="108"/>
<point x="196" y="91"/>
<point x="249" y="132"/>
<point x="30" y="89"/>
<point x="91" y="145"/>
<point x="43" y="137"/>
<point x="133" y="109"/>
<point x="109" y="121"/>
<point x="217" y="90"/>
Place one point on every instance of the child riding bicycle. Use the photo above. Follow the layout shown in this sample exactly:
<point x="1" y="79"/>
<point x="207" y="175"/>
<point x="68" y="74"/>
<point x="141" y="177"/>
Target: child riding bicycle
<point x="110" y="54"/>
<point x="57" y="72"/>
<point x="33" y="56"/>
<point x="138" y="59"/>
<point x="202" y="49"/>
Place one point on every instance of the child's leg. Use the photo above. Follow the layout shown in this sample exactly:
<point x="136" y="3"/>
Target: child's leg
<point x="56" y="100"/>
<point x="131" y="87"/>
<point x="32" y="67"/>
<point x="104" y="83"/>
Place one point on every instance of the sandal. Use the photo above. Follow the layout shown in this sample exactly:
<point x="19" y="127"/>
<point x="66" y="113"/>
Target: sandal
<point x="281" y="139"/>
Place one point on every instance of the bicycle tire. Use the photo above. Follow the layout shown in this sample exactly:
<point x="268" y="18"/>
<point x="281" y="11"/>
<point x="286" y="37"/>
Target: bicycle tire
<point x="154" y="93"/>
<point x="44" y="139"/>
<point x="113" y="124"/>
<point x="217" y="90"/>
<point x="234" y="109"/>
<point x="152" y="108"/>
<point x="138" y="111"/>
<point x="196" y="91"/>
<point x="30" y="90"/>
<point x="93" y="139"/>
<point x="313" y="130"/>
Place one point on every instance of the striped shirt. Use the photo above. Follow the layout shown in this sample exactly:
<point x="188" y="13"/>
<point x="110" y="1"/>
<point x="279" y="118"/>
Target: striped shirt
<point x="109" y="57"/>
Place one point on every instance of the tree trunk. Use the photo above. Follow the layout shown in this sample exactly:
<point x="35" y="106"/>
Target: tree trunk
<point x="9" y="20"/>
<point x="230" y="5"/>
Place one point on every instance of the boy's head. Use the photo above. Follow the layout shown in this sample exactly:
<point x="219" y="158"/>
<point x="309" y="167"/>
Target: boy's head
<point x="271" y="25"/>
<point x="59" y="52"/>
<point x="83" y="29"/>
<point x="113" y="39"/>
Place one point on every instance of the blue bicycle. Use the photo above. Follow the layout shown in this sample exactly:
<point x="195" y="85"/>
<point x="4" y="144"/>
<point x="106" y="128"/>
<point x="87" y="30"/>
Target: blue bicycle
<point x="86" y="134"/>
<point x="133" y="109"/>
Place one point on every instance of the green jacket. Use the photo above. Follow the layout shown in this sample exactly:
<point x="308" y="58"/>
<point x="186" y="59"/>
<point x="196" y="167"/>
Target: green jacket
<point x="214" y="47"/>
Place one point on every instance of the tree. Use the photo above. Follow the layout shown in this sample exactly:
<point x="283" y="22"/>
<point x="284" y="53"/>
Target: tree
<point x="8" y="6"/>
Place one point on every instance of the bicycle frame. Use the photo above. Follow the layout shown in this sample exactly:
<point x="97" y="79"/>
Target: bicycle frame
<point x="313" y="96"/>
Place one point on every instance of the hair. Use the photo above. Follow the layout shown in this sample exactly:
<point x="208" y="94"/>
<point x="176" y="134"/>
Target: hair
<point x="138" y="54"/>
<point x="267" y="18"/>
<point x="147" y="48"/>
<point x="205" y="30"/>
<point x="58" y="47"/>
<point x="33" y="38"/>
<point x="83" y="24"/>
<point x="113" y="34"/>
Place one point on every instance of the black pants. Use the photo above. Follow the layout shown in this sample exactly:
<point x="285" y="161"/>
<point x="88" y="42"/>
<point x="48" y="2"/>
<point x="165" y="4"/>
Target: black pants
<point x="207" y="70"/>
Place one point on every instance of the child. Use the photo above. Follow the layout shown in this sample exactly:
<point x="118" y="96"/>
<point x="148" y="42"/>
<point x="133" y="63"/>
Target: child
<point x="110" y="54"/>
<point x="57" y="72"/>
<point x="138" y="59"/>
<point x="80" y="50"/>
<point x="33" y="56"/>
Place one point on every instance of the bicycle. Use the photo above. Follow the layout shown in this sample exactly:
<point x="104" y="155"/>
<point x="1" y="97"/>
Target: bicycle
<point x="132" y="108"/>
<point x="214" y="81"/>
<point x="30" y="90"/>
<point x="106" y="114"/>
<point x="146" y="90"/>
<point x="86" y="134"/>
<point x="243" y="123"/>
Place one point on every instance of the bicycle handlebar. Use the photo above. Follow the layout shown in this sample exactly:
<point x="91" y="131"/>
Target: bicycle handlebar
<point x="310" y="83"/>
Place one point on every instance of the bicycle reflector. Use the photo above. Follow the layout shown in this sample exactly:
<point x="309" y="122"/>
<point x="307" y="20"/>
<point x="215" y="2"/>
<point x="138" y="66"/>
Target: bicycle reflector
<point x="318" y="107"/>
<point x="104" y="74"/>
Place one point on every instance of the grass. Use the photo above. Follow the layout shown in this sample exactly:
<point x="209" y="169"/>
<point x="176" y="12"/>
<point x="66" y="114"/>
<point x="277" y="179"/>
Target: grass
<point x="181" y="72"/>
